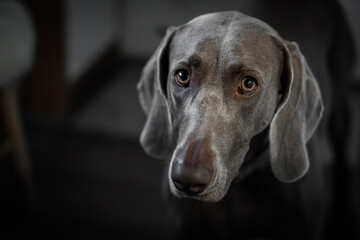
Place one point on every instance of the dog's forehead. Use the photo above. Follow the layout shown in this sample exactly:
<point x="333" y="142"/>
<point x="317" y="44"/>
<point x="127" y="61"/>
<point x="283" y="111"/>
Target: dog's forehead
<point x="231" y="38"/>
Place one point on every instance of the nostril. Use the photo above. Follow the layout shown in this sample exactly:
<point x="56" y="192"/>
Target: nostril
<point x="179" y="186"/>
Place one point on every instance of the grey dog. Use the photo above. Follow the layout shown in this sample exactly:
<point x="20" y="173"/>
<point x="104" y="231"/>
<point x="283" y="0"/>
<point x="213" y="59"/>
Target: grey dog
<point x="225" y="97"/>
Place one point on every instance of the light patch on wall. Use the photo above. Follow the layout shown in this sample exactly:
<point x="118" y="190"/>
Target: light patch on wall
<point x="89" y="31"/>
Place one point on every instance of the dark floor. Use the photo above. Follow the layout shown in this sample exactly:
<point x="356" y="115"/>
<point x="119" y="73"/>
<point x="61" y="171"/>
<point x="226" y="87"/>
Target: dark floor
<point x="92" y="178"/>
<point x="90" y="185"/>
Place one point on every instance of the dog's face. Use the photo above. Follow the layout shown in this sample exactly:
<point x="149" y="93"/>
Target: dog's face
<point x="229" y="95"/>
<point x="220" y="77"/>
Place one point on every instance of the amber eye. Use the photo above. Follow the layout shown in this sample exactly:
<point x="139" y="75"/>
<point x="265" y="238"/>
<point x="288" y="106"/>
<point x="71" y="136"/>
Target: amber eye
<point x="248" y="85"/>
<point x="182" y="77"/>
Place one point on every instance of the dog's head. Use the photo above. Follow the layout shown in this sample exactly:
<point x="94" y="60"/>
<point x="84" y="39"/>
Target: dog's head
<point x="211" y="86"/>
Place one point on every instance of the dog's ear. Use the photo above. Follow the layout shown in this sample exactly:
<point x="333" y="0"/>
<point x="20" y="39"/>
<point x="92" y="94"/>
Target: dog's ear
<point x="296" y="118"/>
<point x="156" y="136"/>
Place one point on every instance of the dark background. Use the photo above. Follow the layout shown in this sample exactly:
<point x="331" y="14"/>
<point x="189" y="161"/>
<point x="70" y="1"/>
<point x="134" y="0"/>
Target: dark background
<point x="79" y="119"/>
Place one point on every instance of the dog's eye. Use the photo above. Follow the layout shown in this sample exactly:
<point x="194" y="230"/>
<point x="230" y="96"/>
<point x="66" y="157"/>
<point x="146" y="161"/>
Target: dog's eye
<point x="248" y="85"/>
<point x="182" y="77"/>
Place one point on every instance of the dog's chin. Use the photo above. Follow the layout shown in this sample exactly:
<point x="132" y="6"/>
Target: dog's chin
<point x="212" y="194"/>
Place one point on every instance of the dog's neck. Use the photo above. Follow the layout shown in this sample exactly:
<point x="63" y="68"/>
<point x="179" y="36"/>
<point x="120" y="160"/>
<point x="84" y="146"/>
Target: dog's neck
<point x="257" y="156"/>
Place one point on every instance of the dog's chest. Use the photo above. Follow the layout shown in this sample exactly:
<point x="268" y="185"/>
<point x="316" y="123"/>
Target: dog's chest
<point x="253" y="208"/>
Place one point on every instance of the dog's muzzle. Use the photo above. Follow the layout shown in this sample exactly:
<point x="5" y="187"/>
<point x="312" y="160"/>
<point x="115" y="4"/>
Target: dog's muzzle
<point x="192" y="169"/>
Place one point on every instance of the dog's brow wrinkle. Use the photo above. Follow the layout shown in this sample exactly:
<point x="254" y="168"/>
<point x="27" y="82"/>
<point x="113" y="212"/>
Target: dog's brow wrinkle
<point x="236" y="67"/>
<point x="195" y="60"/>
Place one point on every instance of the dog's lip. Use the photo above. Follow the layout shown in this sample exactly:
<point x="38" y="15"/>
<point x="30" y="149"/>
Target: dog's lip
<point x="202" y="196"/>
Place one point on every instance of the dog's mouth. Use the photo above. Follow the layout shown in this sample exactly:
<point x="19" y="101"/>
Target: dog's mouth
<point x="205" y="195"/>
<point x="212" y="194"/>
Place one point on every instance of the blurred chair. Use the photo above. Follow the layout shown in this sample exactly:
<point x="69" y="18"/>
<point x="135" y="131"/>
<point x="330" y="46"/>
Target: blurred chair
<point x="17" y="43"/>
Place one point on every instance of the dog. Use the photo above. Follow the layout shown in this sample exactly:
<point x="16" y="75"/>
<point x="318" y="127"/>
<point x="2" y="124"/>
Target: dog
<point x="232" y="105"/>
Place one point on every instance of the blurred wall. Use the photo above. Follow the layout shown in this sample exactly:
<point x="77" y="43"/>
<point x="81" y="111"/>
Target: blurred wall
<point x="89" y="30"/>
<point x="146" y="21"/>
<point x="352" y="9"/>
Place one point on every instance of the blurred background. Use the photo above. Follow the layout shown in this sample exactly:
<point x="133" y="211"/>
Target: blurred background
<point x="70" y="162"/>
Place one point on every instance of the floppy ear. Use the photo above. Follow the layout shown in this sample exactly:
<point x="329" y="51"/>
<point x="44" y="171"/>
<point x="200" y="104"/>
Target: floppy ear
<point x="297" y="117"/>
<point x="156" y="137"/>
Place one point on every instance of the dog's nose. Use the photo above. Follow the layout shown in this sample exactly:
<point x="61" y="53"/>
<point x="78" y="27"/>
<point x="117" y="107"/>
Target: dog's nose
<point x="190" y="180"/>
<point x="192" y="169"/>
